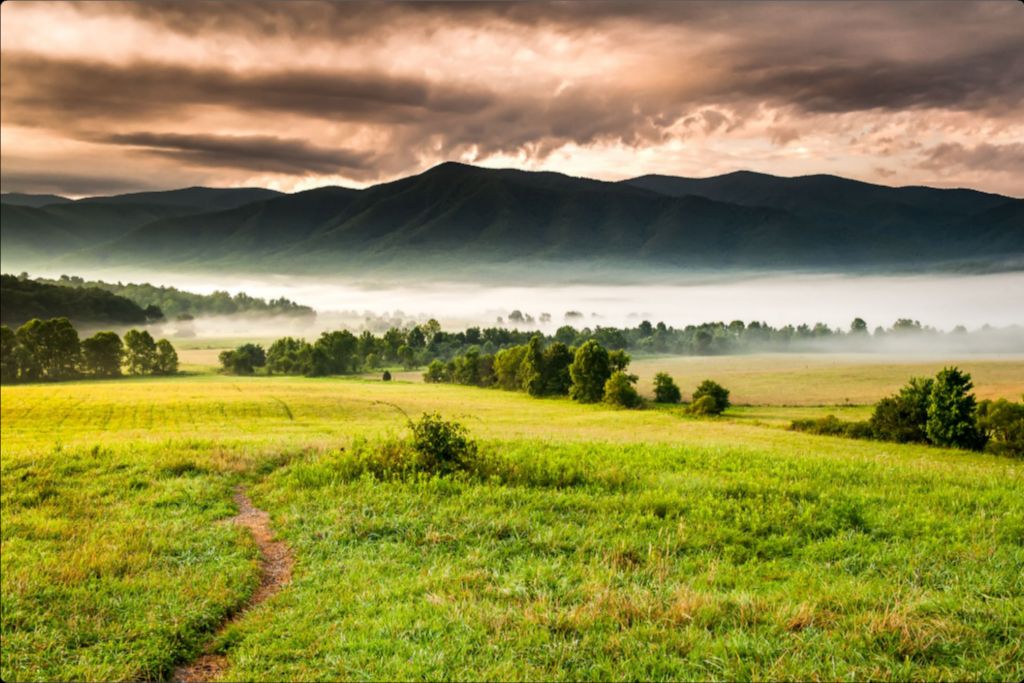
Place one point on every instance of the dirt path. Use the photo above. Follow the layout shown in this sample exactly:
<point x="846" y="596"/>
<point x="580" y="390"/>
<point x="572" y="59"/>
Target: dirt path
<point x="275" y="571"/>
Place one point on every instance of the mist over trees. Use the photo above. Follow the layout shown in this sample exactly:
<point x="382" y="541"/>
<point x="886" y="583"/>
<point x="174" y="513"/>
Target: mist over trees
<point x="22" y="300"/>
<point x="173" y="302"/>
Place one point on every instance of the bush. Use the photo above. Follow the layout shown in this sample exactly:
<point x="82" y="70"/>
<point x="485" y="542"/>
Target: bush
<point x="386" y="377"/>
<point x="1002" y="423"/>
<point x="665" y="389"/>
<point x="243" y="360"/>
<point x="830" y="425"/>
<point x="716" y="392"/>
<point x="705" y="405"/>
<point x="442" y="446"/>
<point x="619" y="390"/>
<point x="435" y="373"/>
<point x="951" y="412"/>
<point x="903" y="416"/>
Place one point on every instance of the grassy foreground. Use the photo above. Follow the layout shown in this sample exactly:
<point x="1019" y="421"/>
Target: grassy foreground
<point x="628" y="544"/>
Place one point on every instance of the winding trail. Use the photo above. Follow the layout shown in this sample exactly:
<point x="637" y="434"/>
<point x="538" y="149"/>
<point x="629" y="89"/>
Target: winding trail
<point x="275" y="571"/>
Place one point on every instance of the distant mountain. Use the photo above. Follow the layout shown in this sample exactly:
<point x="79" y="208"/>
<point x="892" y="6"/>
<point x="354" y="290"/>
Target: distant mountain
<point x="204" y="198"/>
<point x="457" y="217"/>
<point x="69" y="226"/>
<point x="35" y="200"/>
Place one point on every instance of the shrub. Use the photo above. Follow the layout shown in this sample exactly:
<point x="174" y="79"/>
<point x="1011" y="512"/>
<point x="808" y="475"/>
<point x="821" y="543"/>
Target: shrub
<point x="665" y="389"/>
<point x="619" y="390"/>
<point x="951" y="412"/>
<point x="830" y="425"/>
<point x="1002" y="423"/>
<point x="435" y="373"/>
<point x="903" y="416"/>
<point x="442" y="446"/>
<point x="386" y="376"/>
<point x="705" y="405"/>
<point x="717" y="393"/>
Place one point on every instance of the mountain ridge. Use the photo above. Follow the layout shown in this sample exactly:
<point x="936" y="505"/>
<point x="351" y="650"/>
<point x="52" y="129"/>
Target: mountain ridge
<point x="455" y="214"/>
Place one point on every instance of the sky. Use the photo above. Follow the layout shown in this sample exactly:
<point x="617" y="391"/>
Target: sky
<point x="100" y="98"/>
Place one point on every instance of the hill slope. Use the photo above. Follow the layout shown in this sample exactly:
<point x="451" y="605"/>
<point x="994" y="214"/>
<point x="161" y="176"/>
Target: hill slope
<point x="456" y="216"/>
<point x="22" y="300"/>
<point x="35" y="200"/>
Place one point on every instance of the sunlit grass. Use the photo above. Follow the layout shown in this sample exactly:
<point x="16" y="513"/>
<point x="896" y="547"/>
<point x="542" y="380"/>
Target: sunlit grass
<point x="631" y="544"/>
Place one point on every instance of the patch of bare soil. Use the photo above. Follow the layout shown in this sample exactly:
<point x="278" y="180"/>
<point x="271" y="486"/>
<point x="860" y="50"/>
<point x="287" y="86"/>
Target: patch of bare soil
<point x="275" y="571"/>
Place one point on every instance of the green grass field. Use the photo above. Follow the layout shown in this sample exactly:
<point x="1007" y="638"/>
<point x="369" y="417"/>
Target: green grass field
<point x="630" y="544"/>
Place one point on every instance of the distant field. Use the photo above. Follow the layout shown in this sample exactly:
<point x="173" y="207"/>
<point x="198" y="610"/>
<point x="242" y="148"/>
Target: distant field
<point x="637" y="545"/>
<point x="778" y="379"/>
<point x="827" y="379"/>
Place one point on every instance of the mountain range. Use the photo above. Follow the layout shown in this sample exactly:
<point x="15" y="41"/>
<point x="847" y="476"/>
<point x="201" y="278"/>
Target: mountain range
<point x="455" y="216"/>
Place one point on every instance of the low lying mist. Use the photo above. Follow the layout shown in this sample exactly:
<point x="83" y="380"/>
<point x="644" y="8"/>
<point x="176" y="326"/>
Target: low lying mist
<point x="942" y="302"/>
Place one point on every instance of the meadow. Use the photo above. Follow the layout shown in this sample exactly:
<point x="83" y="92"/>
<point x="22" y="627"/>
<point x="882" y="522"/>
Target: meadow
<point x="612" y="544"/>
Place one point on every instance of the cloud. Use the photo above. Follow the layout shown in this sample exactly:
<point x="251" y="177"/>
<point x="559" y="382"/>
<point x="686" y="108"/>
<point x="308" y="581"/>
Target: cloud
<point x="952" y="156"/>
<point x="264" y="154"/>
<point x="371" y="91"/>
<point x="40" y="90"/>
<point x="70" y="184"/>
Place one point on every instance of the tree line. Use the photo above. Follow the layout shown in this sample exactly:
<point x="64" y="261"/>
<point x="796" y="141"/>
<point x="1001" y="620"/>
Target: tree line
<point x="940" y="411"/>
<point x="343" y="352"/>
<point x="22" y="300"/>
<point x="51" y="350"/>
<point x="176" y="303"/>
<point x="588" y="374"/>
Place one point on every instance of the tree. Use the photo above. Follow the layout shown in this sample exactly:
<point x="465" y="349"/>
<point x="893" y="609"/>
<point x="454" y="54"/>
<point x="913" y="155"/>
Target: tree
<point x="531" y="369"/>
<point x="506" y="367"/>
<point x="435" y="372"/>
<point x="166" y="362"/>
<point x="951" y="412"/>
<point x="8" y="355"/>
<point x="590" y="369"/>
<point x="467" y="369"/>
<point x="334" y="353"/>
<point x="366" y="344"/>
<point x="102" y="354"/>
<point x="665" y="389"/>
<point x="28" y="338"/>
<point x="415" y="339"/>
<point x="407" y="357"/>
<point x="903" y="417"/>
<point x="557" y="359"/>
<point x="48" y="349"/>
<point x="153" y="312"/>
<point x="619" y="390"/>
<point x="858" y="326"/>
<point x="243" y="360"/>
<point x="618" y="360"/>
<point x="1002" y="424"/>
<point x="139" y="352"/>
<point x="718" y="393"/>
<point x="290" y="356"/>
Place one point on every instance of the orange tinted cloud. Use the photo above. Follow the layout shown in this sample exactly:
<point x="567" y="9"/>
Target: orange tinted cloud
<point x="297" y="94"/>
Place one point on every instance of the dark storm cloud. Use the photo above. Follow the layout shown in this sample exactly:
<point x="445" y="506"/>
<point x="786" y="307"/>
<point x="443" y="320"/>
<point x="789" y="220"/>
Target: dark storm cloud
<point x="69" y="184"/>
<point x="383" y="89"/>
<point x="264" y="154"/>
<point x="40" y="91"/>
<point x="990" y="80"/>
